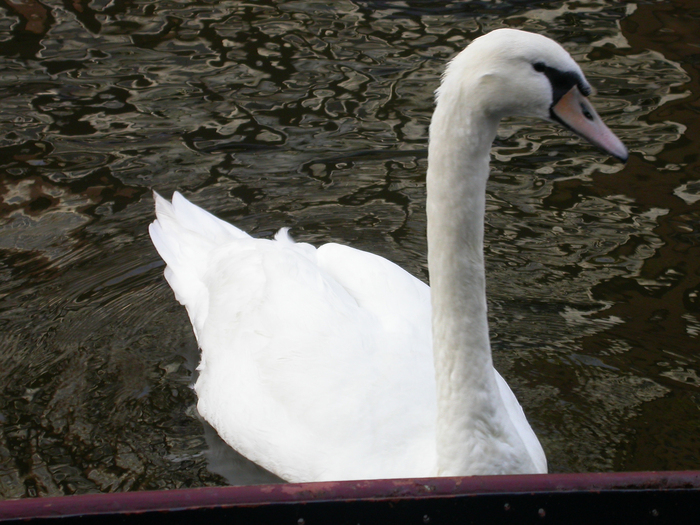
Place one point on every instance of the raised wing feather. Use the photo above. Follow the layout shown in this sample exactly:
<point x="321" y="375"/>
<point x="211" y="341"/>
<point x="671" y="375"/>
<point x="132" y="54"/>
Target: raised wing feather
<point x="303" y="350"/>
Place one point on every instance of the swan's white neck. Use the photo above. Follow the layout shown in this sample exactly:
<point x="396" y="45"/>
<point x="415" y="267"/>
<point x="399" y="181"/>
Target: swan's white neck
<point x="474" y="434"/>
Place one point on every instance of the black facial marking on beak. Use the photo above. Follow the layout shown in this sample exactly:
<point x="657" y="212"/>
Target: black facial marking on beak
<point x="561" y="81"/>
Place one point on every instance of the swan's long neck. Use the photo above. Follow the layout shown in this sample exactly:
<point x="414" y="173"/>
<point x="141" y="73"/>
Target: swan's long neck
<point x="474" y="434"/>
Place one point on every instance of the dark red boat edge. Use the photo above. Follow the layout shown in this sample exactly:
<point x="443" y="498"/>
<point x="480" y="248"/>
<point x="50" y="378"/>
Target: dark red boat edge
<point x="345" y="491"/>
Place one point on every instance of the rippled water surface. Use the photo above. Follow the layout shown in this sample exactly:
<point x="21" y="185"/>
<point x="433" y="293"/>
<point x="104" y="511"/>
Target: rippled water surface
<point x="314" y="115"/>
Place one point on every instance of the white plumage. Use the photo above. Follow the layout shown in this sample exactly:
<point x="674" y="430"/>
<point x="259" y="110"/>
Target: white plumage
<point x="318" y="364"/>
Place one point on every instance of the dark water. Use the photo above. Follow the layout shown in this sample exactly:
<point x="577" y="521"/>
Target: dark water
<point x="314" y="115"/>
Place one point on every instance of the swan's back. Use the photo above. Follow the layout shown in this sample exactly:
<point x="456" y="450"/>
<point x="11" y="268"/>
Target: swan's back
<point x="304" y="350"/>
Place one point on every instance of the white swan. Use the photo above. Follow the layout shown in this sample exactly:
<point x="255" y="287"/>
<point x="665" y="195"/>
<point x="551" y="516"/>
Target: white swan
<point x="320" y="364"/>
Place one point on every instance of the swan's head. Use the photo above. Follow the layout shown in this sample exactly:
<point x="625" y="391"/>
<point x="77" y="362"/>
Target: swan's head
<point x="508" y="72"/>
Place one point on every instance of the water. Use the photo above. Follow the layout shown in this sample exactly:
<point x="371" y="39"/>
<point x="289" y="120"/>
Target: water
<point x="314" y="115"/>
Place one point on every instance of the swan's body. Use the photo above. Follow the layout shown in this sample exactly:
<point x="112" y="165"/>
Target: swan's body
<point x="321" y="364"/>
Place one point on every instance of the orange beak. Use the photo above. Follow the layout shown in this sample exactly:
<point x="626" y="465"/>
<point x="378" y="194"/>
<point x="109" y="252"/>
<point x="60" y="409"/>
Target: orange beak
<point x="575" y="112"/>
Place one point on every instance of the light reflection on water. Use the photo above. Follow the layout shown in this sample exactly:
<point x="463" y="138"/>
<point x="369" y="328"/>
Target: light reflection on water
<point x="314" y="115"/>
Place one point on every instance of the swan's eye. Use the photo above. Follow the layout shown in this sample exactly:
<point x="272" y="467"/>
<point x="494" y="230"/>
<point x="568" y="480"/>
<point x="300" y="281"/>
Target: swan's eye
<point x="539" y="67"/>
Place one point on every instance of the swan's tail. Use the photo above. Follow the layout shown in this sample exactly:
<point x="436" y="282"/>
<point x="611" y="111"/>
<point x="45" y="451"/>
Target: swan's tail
<point x="184" y="236"/>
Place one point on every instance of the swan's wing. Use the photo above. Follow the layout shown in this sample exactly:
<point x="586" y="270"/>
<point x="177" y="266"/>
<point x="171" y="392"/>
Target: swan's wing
<point x="395" y="297"/>
<point x="303" y="352"/>
<point x="300" y="373"/>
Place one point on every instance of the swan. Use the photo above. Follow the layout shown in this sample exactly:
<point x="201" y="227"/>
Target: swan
<point x="333" y="363"/>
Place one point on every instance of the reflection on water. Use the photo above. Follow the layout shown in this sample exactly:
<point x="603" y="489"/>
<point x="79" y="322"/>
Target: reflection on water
<point x="314" y="115"/>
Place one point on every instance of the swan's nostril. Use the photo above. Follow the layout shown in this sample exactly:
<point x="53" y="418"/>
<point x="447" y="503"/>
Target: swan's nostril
<point x="587" y="113"/>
